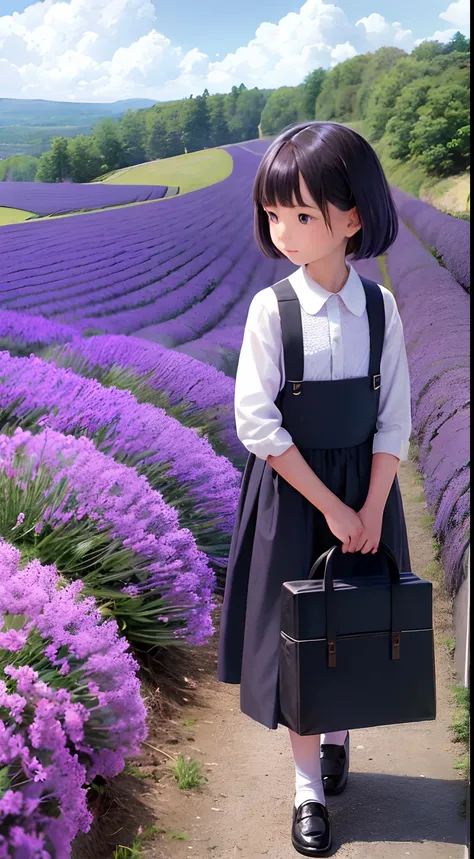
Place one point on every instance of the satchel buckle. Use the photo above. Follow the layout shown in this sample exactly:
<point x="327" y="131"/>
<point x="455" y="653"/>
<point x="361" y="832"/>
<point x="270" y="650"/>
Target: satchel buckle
<point x="331" y="654"/>
<point x="396" y="645"/>
<point x="376" y="381"/>
<point x="297" y="388"/>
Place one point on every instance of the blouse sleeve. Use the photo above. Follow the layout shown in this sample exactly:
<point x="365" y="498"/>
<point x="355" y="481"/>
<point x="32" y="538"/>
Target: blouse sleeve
<point x="258" y="381"/>
<point x="394" y="418"/>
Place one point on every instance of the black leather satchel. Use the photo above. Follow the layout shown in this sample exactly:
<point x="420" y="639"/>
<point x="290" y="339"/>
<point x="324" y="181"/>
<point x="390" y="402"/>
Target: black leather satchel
<point x="356" y="651"/>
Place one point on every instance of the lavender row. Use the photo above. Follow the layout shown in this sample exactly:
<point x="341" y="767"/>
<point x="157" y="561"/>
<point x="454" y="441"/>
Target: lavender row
<point x="448" y="235"/>
<point x="46" y="198"/>
<point x="221" y="345"/>
<point x="70" y="707"/>
<point x="435" y="314"/>
<point x="18" y="331"/>
<point x="85" y="492"/>
<point x="183" y="466"/>
<point x="130" y="269"/>
<point x="206" y="313"/>
<point x="194" y="388"/>
<point x="172" y="294"/>
<point x="188" y="385"/>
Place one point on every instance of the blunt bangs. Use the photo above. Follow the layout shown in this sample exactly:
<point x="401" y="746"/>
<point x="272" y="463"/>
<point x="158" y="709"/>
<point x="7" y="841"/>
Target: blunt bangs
<point x="340" y="167"/>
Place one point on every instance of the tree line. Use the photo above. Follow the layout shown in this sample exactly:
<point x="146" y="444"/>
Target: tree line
<point x="418" y="102"/>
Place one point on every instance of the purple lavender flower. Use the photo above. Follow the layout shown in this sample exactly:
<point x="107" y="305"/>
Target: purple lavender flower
<point x="71" y="708"/>
<point x="115" y="500"/>
<point x="156" y="264"/>
<point x="435" y="315"/>
<point x="448" y="235"/>
<point x="16" y="329"/>
<point x="196" y="388"/>
<point x="58" y="198"/>
<point x="138" y="433"/>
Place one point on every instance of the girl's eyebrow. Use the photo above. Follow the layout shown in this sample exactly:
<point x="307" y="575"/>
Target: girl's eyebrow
<point x="304" y="206"/>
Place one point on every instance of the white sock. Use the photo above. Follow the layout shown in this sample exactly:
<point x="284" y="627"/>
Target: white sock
<point x="336" y="738"/>
<point x="308" y="781"/>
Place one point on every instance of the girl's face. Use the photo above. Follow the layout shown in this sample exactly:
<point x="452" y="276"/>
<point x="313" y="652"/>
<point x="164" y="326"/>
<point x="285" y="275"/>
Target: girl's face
<point x="300" y="233"/>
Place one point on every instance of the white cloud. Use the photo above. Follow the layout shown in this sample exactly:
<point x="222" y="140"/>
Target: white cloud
<point x="102" y="50"/>
<point x="457" y="14"/>
<point x="342" y="52"/>
<point x="380" y="32"/>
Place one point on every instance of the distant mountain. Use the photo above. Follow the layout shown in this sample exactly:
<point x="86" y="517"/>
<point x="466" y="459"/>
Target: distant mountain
<point x="39" y="112"/>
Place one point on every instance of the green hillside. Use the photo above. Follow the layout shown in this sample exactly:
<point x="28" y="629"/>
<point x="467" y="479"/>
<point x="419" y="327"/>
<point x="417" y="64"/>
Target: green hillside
<point x="188" y="172"/>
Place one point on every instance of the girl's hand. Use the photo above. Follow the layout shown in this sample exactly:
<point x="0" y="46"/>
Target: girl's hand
<point x="371" y="518"/>
<point x="347" y="526"/>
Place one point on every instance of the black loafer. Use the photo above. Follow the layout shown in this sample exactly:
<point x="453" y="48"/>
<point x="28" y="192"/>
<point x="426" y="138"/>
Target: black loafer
<point x="335" y="767"/>
<point x="311" y="829"/>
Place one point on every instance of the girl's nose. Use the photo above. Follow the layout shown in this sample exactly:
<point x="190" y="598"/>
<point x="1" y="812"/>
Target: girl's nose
<point x="283" y="236"/>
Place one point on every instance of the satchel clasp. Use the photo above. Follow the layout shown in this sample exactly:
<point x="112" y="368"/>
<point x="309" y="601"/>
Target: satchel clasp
<point x="331" y="654"/>
<point x="396" y="645"/>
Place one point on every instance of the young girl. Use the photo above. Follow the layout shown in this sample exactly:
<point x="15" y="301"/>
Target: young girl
<point x="324" y="446"/>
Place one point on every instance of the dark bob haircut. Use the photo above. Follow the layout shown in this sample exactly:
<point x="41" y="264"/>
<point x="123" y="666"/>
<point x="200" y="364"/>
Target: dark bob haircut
<point x="339" y="167"/>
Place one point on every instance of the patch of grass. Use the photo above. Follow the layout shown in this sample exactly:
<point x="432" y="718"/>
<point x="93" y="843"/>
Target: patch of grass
<point x="427" y="521"/>
<point x="13" y="216"/>
<point x="189" y="172"/>
<point x="187" y="772"/>
<point x="189" y="723"/>
<point x="449" y="644"/>
<point x="137" y="772"/>
<point x="417" y="499"/>
<point x="436" y="548"/>
<point x="460" y="722"/>
<point x="382" y="261"/>
<point x="135" y="851"/>
<point x="462" y="766"/>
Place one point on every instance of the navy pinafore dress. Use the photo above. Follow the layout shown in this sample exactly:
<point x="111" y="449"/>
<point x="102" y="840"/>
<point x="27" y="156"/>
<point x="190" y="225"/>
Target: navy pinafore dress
<point x="278" y="533"/>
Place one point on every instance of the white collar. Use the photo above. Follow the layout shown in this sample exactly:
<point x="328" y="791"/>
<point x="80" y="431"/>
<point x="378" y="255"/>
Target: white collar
<point x="313" y="296"/>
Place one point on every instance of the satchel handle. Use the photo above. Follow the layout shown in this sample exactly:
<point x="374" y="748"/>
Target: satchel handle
<point x="326" y="558"/>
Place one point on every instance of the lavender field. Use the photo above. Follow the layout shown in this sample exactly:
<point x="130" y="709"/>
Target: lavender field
<point x="120" y="467"/>
<point x="57" y="199"/>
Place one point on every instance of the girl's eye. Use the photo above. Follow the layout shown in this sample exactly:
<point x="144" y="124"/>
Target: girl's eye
<point x="305" y="216"/>
<point x="272" y="215"/>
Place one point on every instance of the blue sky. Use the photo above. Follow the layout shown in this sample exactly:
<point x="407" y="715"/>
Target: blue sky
<point x="104" y="50"/>
<point x="218" y="28"/>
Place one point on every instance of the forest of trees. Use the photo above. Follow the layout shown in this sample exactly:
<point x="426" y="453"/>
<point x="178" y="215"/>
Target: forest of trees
<point x="418" y="102"/>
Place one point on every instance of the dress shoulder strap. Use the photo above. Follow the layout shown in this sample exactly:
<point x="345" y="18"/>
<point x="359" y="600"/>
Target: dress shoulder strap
<point x="291" y="330"/>
<point x="376" y="317"/>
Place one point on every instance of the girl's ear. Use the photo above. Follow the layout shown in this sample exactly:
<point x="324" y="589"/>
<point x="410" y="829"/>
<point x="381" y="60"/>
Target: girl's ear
<point x="353" y="223"/>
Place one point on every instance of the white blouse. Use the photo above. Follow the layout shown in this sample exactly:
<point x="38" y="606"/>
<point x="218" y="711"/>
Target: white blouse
<point x="336" y="346"/>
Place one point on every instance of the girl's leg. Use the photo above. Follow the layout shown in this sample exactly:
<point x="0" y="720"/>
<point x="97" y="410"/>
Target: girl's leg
<point x="306" y="755"/>
<point x="336" y="738"/>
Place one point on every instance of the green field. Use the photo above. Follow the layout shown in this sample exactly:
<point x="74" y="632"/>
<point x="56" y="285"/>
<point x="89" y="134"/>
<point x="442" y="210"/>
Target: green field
<point x="189" y="172"/>
<point x="13" y="216"/>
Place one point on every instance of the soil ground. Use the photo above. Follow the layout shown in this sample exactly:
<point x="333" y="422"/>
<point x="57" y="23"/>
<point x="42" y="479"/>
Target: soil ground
<point x="403" y="799"/>
<point x="449" y="195"/>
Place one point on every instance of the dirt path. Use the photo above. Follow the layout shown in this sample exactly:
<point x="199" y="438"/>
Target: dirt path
<point x="404" y="797"/>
